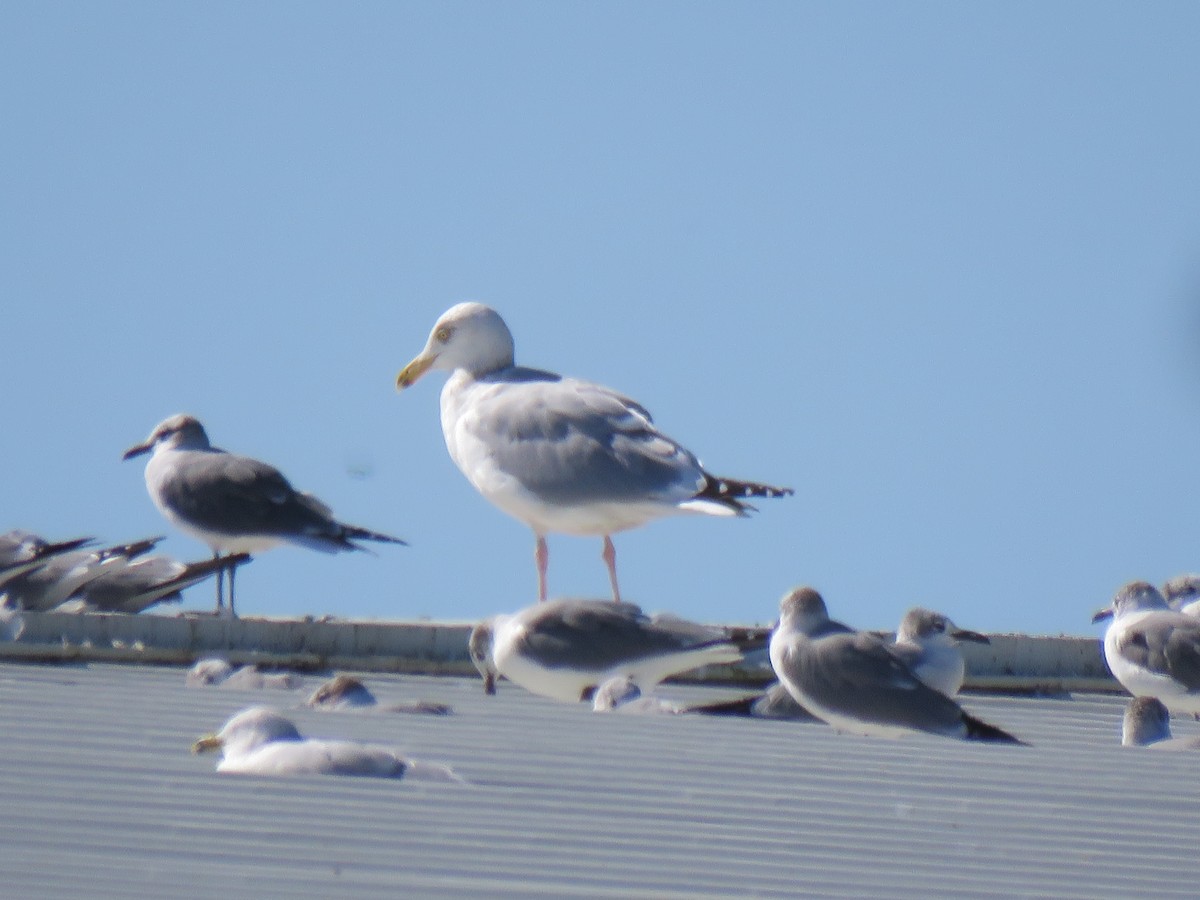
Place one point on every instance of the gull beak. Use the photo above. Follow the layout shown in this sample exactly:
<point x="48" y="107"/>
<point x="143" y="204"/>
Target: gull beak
<point x="409" y="374"/>
<point x="960" y="634"/>
<point x="489" y="684"/>
<point x="1101" y="615"/>
<point x="207" y="743"/>
<point x="138" y="450"/>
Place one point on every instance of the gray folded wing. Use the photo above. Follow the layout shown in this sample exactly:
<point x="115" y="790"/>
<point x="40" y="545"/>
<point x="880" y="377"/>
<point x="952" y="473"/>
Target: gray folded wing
<point x="154" y="579"/>
<point x="571" y="441"/>
<point x="62" y="574"/>
<point x="229" y="494"/>
<point x="855" y="675"/>
<point x="23" y="551"/>
<point x="1167" y="643"/>
<point x="596" y="635"/>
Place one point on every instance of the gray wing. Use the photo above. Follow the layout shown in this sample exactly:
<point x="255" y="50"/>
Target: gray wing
<point x="19" y="547"/>
<point x="857" y="676"/>
<point x="60" y="575"/>
<point x="571" y="441"/>
<point x="153" y="579"/>
<point x="112" y="589"/>
<point x="348" y="758"/>
<point x="1167" y="643"/>
<point x="230" y="494"/>
<point x="22" y="552"/>
<point x="597" y="634"/>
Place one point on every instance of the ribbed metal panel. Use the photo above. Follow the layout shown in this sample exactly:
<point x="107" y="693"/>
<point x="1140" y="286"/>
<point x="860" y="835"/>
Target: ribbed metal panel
<point x="103" y="799"/>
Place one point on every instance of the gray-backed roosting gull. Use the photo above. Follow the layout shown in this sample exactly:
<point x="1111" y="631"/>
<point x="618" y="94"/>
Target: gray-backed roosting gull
<point x="928" y="642"/>
<point x="565" y="649"/>
<point x="854" y="681"/>
<point x="1151" y="649"/>
<point x="23" y="551"/>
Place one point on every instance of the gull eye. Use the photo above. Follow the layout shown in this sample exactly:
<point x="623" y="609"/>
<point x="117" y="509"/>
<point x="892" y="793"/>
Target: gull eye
<point x="443" y="333"/>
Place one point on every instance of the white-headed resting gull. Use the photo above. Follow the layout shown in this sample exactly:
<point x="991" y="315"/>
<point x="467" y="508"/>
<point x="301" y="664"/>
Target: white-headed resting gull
<point x="1147" y="723"/>
<point x="61" y="575"/>
<point x="854" y="681"/>
<point x="560" y="454"/>
<point x="23" y="551"/>
<point x="235" y="504"/>
<point x="928" y="642"/>
<point x="1182" y="593"/>
<point x="1151" y="649"/>
<point x="565" y="649"/>
<point x="621" y="694"/>
<point x="260" y="741"/>
<point x="345" y="692"/>
<point x="216" y="671"/>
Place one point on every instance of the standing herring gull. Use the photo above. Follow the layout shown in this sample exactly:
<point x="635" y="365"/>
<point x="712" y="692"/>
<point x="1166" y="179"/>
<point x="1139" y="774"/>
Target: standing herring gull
<point x="560" y="454"/>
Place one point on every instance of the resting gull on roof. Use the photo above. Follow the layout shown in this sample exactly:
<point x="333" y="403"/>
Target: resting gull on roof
<point x="1151" y="649"/>
<point x="143" y="582"/>
<point x="345" y="692"/>
<point x="1182" y="593"/>
<point x="1147" y="723"/>
<point x="565" y="649"/>
<point x="23" y="551"/>
<point x="928" y="642"/>
<point x="260" y="741"/>
<point x="854" y="681"/>
<point x="63" y="574"/>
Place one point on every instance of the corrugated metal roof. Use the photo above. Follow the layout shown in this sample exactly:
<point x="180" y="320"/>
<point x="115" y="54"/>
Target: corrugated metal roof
<point x="102" y="798"/>
<point x="1009" y="662"/>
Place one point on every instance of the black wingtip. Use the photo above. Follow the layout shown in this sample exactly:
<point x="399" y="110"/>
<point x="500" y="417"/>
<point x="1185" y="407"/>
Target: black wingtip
<point x="64" y="546"/>
<point x="742" y="707"/>
<point x="734" y="493"/>
<point x="978" y="730"/>
<point x="358" y="533"/>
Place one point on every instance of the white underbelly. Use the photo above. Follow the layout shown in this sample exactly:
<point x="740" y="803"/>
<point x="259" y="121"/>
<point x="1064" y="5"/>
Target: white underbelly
<point x="558" y="684"/>
<point x="1141" y="682"/>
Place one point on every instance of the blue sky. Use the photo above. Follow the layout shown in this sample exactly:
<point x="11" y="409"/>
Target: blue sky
<point x="936" y="266"/>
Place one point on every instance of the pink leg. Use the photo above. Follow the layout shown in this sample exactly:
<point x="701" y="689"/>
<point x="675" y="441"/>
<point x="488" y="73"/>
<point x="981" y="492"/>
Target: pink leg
<point x="541" y="556"/>
<point x="610" y="559"/>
